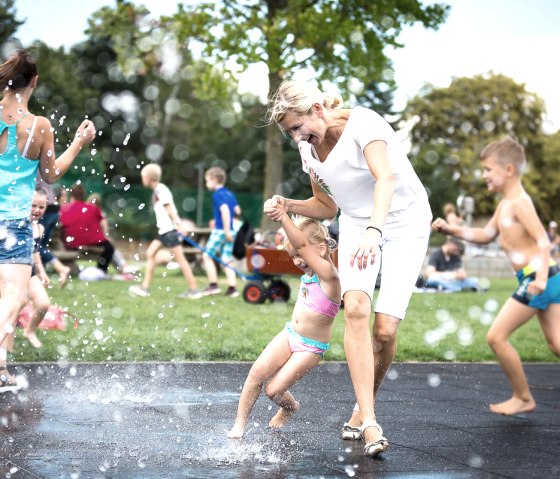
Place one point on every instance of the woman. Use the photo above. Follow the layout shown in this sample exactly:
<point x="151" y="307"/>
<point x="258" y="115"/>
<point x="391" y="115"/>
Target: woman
<point x="357" y="164"/>
<point x="27" y="144"/>
<point x="84" y="224"/>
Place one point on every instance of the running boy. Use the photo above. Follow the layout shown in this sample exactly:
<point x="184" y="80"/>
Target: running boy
<point x="221" y="239"/>
<point x="301" y="345"/>
<point x="168" y="222"/>
<point x="524" y="239"/>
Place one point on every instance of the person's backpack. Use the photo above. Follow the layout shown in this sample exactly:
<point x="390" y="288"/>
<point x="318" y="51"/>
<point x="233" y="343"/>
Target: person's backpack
<point x="244" y="237"/>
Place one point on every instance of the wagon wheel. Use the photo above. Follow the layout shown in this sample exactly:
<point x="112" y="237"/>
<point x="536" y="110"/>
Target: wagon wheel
<point x="254" y="293"/>
<point x="279" y="290"/>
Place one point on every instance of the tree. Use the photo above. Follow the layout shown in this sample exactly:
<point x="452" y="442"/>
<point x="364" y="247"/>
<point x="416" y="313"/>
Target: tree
<point x="8" y="22"/>
<point x="340" y="41"/>
<point x="451" y="126"/>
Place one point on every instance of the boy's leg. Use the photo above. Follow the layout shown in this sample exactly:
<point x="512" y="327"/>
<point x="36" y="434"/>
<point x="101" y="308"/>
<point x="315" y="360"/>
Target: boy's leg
<point x="41" y="302"/>
<point x="512" y="316"/>
<point x="550" y="325"/>
<point x="154" y="247"/>
<point x="210" y="268"/>
<point x="273" y="357"/>
<point x="299" y="364"/>
<point x="177" y="251"/>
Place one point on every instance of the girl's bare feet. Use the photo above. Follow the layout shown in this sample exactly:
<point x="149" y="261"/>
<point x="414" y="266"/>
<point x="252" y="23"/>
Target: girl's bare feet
<point x="236" y="431"/>
<point x="514" y="406"/>
<point x="63" y="276"/>
<point x="283" y="416"/>
<point x="33" y="339"/>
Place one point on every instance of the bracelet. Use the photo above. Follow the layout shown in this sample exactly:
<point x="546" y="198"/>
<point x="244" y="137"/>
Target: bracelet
<point x="376" y="229"/>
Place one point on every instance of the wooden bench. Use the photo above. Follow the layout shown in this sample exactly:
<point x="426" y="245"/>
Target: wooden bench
<point x="70" y="257"/>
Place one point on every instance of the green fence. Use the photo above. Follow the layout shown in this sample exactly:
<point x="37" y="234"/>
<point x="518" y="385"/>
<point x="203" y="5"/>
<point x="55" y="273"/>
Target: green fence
<point x="129" y="207"/>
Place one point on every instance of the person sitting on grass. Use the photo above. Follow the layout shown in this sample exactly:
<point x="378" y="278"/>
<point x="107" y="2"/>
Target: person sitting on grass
<point x="445" y="271"/>
<point x="303" y="342"/>
<point x="526" y="244"/>
<point x="168" y="224"/>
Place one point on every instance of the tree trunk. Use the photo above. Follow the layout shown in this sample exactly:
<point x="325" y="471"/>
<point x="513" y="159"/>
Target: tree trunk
<point x="274" y="161"/>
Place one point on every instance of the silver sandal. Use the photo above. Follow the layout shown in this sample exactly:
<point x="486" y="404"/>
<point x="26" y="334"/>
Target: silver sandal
<point x="374" y="448"/>
<point x="351" y="433"/>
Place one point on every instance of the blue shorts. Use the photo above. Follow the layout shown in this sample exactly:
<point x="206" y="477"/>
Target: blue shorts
<point x="217" y="244"/>
<point x="16" y="242"/>
<point x="551" y="294"/>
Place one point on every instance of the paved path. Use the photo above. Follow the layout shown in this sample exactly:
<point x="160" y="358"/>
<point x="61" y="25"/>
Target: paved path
<point x="147" y="420"/>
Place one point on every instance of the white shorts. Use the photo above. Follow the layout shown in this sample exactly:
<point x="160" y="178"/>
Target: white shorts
<point x="400" y="260"/>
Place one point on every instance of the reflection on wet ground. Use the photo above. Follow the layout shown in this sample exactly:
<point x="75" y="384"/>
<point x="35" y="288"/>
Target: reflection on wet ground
<point x="147" y="420"/>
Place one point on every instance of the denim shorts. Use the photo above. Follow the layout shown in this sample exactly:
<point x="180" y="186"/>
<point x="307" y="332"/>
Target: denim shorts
<point x="170" y="239"/>
<point x="16" y="242"/>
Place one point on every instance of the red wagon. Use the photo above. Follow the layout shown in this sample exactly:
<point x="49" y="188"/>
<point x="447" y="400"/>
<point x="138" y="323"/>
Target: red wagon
<point x="268" y="265"/>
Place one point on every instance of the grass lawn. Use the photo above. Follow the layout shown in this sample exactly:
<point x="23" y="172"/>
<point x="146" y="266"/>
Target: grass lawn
<point x="117" y="327"/>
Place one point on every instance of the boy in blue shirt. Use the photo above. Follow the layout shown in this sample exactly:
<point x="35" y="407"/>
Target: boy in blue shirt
<point x="222" y="236"/>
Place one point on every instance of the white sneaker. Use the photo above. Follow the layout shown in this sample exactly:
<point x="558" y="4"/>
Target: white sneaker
<point x="191" y="294"/>
<point x="136" y="290"/>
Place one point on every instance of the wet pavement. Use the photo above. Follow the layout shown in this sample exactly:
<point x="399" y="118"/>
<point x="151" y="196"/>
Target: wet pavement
<point x="149" y="420"/>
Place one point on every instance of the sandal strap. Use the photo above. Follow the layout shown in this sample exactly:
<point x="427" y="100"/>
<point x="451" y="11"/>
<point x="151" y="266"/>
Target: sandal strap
<point x="371" y="423"/>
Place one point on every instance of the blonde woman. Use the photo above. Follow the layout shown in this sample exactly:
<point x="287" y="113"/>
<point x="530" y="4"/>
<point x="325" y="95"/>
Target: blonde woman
<point x="357" y="164"/>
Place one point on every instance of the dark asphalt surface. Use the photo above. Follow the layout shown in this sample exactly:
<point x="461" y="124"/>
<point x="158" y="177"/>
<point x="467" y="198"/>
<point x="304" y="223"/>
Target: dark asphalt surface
<point x="150" y="420"/>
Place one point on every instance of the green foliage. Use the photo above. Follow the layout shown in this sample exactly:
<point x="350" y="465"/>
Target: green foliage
<point x="451" y="126"/>
<point x="342" y="42"/>
<point x="8" y="22"/>
<point x="117" y="327"/>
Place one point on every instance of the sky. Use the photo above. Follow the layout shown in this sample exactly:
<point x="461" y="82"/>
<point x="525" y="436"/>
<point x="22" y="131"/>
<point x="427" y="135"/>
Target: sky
<point x="517" y="38"/>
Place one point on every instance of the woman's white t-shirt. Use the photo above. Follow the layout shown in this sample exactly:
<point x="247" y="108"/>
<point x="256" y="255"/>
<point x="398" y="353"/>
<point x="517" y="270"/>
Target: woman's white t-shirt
<point x="346" y="178"/>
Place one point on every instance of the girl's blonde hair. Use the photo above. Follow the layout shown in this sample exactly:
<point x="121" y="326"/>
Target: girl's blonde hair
<point x="298" y="97"/>
<point x="316" y="231"/>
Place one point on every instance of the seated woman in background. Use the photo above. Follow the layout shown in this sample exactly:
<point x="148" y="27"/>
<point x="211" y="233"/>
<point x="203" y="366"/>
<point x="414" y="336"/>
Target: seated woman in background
<point x="84" y="224"/>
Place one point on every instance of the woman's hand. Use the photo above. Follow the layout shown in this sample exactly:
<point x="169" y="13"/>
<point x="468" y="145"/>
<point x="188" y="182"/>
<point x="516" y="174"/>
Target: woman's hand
<point x="367" y="249"/>
<point x="275" y="208"/>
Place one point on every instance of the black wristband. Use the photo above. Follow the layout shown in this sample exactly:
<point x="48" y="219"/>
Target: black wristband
<point x="376" y="229"/>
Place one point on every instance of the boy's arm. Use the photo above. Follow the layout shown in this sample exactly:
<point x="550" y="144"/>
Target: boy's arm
<point x="473" y="235"/>
<point x="173" y="215"/>
<point x="226" y="220"/>
<point x="527" y="216"/>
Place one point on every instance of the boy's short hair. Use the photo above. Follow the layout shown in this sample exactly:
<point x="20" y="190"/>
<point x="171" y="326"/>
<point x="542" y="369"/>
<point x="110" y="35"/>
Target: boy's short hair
<point x="218" y="174"/>
<point x="152" y="171"/>
<point x="506" y="151"/>
<point x="457" y="243"/>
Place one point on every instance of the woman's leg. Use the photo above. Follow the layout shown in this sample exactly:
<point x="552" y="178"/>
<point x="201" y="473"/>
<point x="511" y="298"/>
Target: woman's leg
<point x="359" y="354"/>
<point x="106" y="255"/>
<point x="14" y="279"/>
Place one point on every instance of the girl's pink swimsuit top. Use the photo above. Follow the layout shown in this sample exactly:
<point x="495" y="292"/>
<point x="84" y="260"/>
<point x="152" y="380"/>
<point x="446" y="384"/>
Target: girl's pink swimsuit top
<point x="311" y="294"/>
